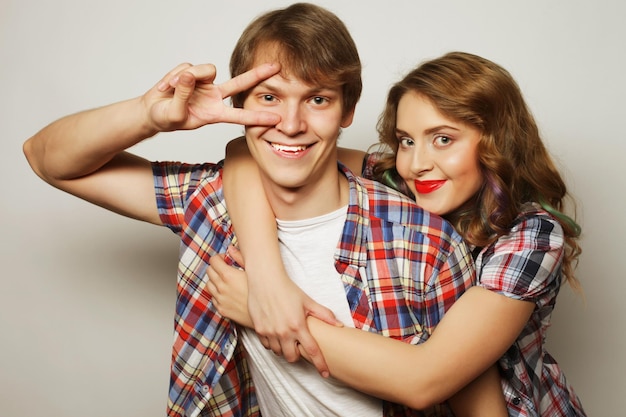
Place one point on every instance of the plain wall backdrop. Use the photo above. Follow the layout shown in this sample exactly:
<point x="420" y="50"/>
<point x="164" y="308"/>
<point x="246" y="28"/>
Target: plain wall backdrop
<point x="87" y="297"/>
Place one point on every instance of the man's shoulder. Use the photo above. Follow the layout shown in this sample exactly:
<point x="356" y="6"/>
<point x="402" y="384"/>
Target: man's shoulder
<point x="190" y="176"/>
<point x="386" y="203"/>
<point x="189" y="188"/>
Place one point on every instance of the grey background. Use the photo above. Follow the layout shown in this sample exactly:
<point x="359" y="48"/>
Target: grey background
<point x="87" y="297"/>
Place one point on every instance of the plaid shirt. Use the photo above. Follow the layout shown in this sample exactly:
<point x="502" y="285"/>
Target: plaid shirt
<point x="526" y="265"/>
<point x="402" y="269"/>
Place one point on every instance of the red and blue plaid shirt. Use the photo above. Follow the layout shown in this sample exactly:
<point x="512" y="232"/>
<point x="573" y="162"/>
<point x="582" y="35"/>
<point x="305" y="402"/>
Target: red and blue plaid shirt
<point x="402" y="269"/>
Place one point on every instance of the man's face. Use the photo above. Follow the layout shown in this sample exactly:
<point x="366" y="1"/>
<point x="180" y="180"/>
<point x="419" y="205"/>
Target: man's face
<point x="299" y="153"/>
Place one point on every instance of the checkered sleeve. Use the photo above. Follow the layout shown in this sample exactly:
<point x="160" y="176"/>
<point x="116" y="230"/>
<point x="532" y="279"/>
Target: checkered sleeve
<point x="522" y="264"/>
<point x="173" y="184"/>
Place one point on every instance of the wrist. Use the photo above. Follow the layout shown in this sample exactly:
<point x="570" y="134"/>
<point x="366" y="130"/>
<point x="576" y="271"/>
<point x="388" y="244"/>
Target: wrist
<point x="143" y="111"/>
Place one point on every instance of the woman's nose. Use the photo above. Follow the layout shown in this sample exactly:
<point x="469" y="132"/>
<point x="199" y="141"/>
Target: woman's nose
<point x="422" y="159"/>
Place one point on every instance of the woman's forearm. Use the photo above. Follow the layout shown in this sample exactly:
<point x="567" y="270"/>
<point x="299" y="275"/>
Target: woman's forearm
<point x="472" y="336"/>
<point x="251" y="214"/>
<point x="482" y="397"/>
<point x="371" y="363"/>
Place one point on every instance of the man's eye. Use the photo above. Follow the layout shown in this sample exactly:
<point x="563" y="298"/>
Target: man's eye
<point x="267" y="97"/>
<point x="319" y="100"/>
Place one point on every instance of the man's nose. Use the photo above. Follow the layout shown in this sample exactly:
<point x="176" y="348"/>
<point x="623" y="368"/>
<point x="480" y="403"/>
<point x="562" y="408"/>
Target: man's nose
<point x="292" y="120"/>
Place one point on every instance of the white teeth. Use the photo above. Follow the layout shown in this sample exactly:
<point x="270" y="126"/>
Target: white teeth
<point x="285" y="148"/>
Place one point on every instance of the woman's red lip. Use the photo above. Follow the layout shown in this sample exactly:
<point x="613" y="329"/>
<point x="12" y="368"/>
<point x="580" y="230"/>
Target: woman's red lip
<point x="425" y="187"/>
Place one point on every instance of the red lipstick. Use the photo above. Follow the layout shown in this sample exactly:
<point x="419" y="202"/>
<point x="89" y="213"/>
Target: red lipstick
<point x="425" y="187"/>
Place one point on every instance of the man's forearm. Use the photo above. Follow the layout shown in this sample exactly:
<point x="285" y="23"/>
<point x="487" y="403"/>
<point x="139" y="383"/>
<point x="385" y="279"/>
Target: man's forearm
<point x="81" y="143"/>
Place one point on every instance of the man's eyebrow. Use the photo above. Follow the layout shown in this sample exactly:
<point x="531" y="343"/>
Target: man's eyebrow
<point x="264" y="84"/>
<point x="325" y="90"/>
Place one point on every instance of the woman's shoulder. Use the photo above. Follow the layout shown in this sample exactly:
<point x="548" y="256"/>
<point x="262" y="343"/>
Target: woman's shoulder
<point x="535" y="221"/>
<point x="525" y="263"/>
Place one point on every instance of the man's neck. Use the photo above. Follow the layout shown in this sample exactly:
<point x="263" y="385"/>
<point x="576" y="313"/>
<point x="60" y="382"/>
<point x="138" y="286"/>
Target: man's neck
<point x="310" y="201"/>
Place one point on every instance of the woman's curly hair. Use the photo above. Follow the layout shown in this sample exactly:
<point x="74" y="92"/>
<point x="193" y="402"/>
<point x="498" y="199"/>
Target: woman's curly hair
<point x="514" y="160"/>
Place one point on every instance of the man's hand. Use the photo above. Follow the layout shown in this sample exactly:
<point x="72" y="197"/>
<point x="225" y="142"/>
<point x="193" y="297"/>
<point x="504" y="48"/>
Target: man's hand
<point x="187" y="98"/>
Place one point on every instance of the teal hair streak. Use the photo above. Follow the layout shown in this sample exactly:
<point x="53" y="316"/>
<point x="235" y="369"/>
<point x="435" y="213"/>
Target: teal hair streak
<point x="388" y="179"/>
<point x="392" y="179"/>
<point x="564" y="218"/>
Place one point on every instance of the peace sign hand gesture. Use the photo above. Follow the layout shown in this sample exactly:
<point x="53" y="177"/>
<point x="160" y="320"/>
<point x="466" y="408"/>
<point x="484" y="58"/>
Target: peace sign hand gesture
<point x="187" y="98"/>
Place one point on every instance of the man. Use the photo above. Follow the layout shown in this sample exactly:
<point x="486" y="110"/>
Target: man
<point x="296" y="84"/>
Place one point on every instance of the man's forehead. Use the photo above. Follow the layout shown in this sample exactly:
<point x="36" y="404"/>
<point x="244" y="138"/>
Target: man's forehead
<point x="272" y="53"/>
<point x="282" y="82"/>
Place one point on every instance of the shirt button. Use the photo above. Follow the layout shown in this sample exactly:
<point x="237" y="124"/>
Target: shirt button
<point x="517" y="400"/>
<point x="205" y="389"/>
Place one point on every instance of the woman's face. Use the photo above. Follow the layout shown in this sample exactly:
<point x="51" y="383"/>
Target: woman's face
<point x="437" y="156"/>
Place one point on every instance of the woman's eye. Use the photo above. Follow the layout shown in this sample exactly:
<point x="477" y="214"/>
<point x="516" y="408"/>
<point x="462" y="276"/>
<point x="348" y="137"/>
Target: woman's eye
<point x="406" y="142"/>
<point x="442" y="140"/>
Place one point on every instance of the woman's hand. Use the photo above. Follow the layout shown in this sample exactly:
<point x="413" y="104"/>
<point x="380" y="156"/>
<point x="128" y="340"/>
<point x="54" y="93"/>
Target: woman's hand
<point x="229" y="287"/>
<point x="277" y="312"/>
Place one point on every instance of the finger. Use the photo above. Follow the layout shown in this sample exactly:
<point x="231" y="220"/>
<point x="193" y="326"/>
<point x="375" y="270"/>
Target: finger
<point x="164" y="83"/>
<point x="236" y="255"/>
<point x="312" y="349"/>
<point x="214" y="277"/>
<point x="213" y="290"/>
<point x="265" y="342"/>
<point x="249" y="117"/>
<point x="203" y="73"/>
<point x="248" y="79"/>
<point x="290" y="349"/>
<point x="318" y="311"/>
<point x="214" y="283"/>
<point x="185" y="85"/>
<point x="276" y="347"/>
<point x="218" y="265"/>
<point x="211" y="287"/>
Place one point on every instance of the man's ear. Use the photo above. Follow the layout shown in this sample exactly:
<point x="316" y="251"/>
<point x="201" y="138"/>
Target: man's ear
<point x="347" y="118"/>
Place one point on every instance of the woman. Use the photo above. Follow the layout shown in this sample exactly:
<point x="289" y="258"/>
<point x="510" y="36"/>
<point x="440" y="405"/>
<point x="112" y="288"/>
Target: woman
<point x="465" y="146"/>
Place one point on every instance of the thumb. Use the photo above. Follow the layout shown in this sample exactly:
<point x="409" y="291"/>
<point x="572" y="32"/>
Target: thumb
<point x="183" y="89"/>
<point x="322" y="313"/>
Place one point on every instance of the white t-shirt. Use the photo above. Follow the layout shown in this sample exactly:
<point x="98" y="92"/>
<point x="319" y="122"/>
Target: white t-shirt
<point x="296" y="389"/>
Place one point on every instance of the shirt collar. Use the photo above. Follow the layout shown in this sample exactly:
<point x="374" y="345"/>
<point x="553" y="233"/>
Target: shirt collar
<point x="353" y="247"/>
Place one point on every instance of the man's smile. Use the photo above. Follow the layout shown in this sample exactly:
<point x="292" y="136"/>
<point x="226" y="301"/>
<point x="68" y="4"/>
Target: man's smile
<point x="288" y="148"/>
